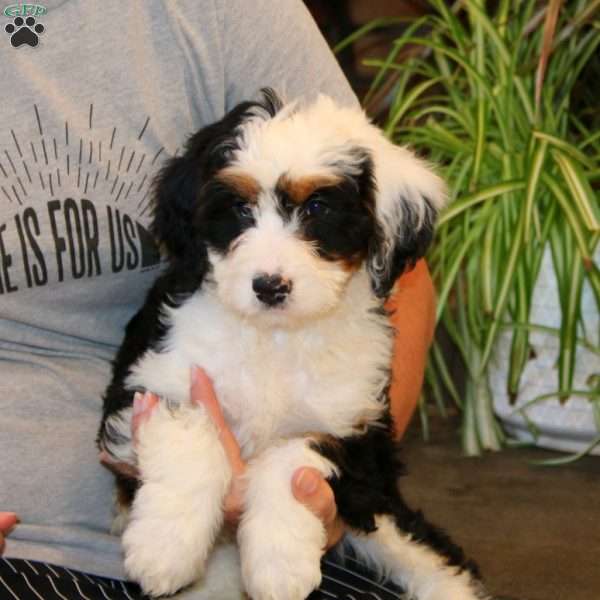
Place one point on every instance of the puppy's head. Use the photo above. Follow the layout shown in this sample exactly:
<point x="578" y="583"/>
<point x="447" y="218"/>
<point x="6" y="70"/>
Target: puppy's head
<point x="287" y="203"/>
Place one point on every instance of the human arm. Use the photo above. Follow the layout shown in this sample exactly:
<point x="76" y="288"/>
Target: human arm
<point x="283" y="49"/>
<point x="412" y="309"/>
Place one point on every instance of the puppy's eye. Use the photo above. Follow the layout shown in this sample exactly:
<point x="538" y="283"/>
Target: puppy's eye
<point x="243" y="209"/>
<point x="316" y="206"/>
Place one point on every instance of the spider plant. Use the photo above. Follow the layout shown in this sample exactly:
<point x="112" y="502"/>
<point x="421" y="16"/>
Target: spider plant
<point x="489" y="89"/>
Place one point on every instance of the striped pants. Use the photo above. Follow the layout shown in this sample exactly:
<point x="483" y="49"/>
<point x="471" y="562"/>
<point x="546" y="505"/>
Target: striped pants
<point x="30" y="580"/>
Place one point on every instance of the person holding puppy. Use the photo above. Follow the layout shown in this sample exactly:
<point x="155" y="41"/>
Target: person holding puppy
<point x="89" y="114"/>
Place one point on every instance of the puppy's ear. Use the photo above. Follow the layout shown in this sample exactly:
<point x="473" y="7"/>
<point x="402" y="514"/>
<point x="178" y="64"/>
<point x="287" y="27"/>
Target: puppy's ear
<point x="178" y="187"/>
<point x="408" y="197"/>
<point x="176" y="190"/>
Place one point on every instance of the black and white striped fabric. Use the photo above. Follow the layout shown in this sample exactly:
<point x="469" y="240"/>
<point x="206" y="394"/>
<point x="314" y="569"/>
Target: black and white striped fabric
<point x="31" y="580"/>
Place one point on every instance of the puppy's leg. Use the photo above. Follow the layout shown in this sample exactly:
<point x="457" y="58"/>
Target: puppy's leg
<point x="422" y="571"/>
<point x="281" y="541"/>
<point x="398" y="541"/>
<point x="177" y="511"/>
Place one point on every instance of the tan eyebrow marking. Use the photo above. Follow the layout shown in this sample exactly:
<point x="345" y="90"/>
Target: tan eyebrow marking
<point x="245" y="185"/>
<point x="299" y="189"/>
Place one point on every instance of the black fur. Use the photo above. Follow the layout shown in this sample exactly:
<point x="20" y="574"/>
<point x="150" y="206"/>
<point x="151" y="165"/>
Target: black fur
<point x="189" y="213"/>
<point x="219" y="218"/>
<point x="345" y="232"/>
<point x="411" y="244"/>
<point x="193" y="211"/>
<point x="180" y="184"/>
<point x="145" y="330"/>
<point x="367" y="486"/>
<point x="345" y="223"/>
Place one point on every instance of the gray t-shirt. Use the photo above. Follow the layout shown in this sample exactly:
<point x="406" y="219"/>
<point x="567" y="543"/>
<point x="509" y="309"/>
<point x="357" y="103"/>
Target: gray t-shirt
<point x="88" y="116"/>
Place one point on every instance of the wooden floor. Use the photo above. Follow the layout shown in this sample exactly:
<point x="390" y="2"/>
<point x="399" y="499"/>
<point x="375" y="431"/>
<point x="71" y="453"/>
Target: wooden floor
<point x="535" y="532"/>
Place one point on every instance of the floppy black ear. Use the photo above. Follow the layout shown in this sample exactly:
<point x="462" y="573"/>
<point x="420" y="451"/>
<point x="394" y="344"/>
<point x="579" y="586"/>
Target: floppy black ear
<point x="177" y="189"/>
<point x="408" y="198"/>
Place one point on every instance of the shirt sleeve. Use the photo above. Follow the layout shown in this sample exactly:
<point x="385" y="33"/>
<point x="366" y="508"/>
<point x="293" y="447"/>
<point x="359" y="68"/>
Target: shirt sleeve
<point x="277" y="45"/>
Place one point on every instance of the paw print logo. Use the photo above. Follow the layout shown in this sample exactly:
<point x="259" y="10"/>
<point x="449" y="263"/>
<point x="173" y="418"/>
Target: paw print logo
<point x="24" y="31"/>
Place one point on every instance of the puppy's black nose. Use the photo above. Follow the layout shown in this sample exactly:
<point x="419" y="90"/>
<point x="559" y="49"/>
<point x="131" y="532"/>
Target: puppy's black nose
<point x="271" y="289"/>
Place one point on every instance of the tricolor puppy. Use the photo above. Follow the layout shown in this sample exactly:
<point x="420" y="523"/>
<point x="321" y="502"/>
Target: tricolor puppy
<point x="285" y="227"/>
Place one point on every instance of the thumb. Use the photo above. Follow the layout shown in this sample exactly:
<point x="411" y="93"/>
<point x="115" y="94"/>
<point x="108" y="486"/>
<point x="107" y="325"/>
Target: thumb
<point x="7" y="521"/>
<point x="310" y="488"/>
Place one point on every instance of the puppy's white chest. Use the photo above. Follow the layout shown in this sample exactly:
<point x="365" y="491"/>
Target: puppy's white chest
<point x="325" y="377"/>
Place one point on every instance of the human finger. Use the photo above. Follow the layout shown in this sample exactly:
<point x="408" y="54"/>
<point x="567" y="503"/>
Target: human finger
<point x="311" y="489"/>
<point x="8" y="521"/>
<point x="203" y="393"/>
<point x="143" y="407"/>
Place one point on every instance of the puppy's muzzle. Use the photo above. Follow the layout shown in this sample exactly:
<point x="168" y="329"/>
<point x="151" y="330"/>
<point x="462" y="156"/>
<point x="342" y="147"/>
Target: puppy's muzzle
<point x="271" y="290"/>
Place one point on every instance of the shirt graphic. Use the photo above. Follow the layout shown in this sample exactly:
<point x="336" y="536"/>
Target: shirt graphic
<point x="77" y="201"/>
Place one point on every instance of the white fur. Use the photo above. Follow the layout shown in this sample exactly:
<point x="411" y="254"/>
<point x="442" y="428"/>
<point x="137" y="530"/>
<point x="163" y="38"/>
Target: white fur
<point x="318" y="139"/>
<point x="412" y="565"/>
<point x="326" y="376"/>
<point x="285" y="563"/>
<point x="177" y="512"/>
<point x="324" y="138"/>
<point x="311" y="382"/>
<point x="316" y="363"/>
<point x="317" y="284"/>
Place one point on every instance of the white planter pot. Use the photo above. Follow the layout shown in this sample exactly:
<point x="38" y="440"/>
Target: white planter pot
<point x="570" y="426"/>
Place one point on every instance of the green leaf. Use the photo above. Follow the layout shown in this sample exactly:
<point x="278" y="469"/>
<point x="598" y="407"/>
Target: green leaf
<point x="441" y="367"/>
<point x="570" y="318"/>
<point x="532" y="185"/>
<point x="453" y="269"/>
<point x="519" y="351"/>
<point x="570" y="214"/>
<point x="481" y="17"/>
<point x="503" y="293"/>
<point x="567" y="148"/>
<point x="581" y="191"/>
<point x="470" y="200"/>
<point x="488" y="270"/>
<point x="367" y="28"/>
<point x="407" y="102"/>
<point x="569" y="459"/>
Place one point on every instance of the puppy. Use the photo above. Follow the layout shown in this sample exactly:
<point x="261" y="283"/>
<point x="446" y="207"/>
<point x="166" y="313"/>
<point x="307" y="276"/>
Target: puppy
<point x="285" y="228"/>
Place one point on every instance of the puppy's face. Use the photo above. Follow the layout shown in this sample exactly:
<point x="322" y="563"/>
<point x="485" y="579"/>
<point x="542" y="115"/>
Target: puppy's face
<point x="287" y="203"/>
<point x="283" y="247"/>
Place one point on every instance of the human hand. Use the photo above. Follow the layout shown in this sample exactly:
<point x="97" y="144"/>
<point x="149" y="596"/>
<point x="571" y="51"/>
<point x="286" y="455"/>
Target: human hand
<point x="311" y="489"/>
<point x="203" y="394"/>
<point x="143" y="407"/>
<point x="308" y="485"/>
<point x="8" y="520"/>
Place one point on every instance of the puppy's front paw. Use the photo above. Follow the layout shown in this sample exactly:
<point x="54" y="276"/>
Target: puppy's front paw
<point x="177" y="511"/>
<point x="281" y="560"/>
<point x="287" y="575"/>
